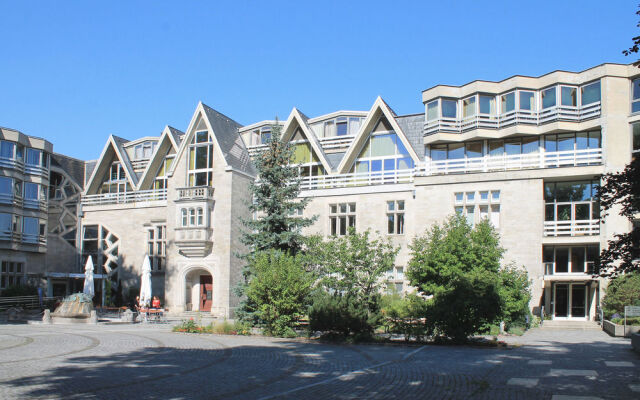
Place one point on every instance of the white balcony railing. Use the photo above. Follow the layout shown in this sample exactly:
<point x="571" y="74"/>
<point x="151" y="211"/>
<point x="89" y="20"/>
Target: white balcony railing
<point x="516" y="161"/>
<point x="483" y="121"/>
<point x="356" y="179"/>
<point x="123" y="198"/>
<point x="550" y="269"/>
<point x="585" y="227"/>
<point x="195" y="193"/>
<point x="336" y="142"/>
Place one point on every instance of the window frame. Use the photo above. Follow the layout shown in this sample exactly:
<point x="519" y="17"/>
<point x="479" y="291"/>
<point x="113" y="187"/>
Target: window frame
<point x="340" y="221"/>
<point x="395" y="217"/>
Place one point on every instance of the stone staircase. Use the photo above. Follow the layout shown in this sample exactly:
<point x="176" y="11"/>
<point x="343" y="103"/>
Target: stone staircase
<point x="204" y="317"/>
<point x="560" y="324"/>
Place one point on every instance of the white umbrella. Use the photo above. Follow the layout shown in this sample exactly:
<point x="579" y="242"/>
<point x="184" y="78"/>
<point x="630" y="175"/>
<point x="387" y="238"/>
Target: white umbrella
<point x="88" y="288"/>
<point x="145" y="283"/>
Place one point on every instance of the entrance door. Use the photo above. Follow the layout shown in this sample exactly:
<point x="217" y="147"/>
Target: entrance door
<point x="578" y="301"/>
<point x="206" y="292"/>
<point x="570" y="301"/>
<point x="562" y="300"/>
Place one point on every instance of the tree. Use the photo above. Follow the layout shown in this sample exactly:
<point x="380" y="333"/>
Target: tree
<point x="275" y="201"/>
<point x="636" y="46"/>
<point x="622" y="291"/>
<point x="279" y="289"/>
<point x="621" y="189"/>
<point x="516" y="294"/>
<point x="458" y="266"/>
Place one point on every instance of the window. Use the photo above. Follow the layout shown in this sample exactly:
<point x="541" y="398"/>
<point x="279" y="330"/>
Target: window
<point x="161" y="181"/>
<point x="469" y="107"/>
<point x="507" y="102"/>
<point x="341" y="217"/>
<point x="157" y="246"/>
<point x="527" y="101"/>
<point x="635" y="131"/>
<point x="193" y="216"/>
<point x="101" y="245"/>
<point x="569" y="96"/>
<point x="449" y="108"/>
<point x="384" y="151"/>
<point x="570" y="260"/>
<point x="11" y="274"/>
<point x="485" y="204"/>
<point x="548" y="98"/>
<point x="116" y="180"/>
<point x="6" y="226"/>
<point x="432" y="111"/>
<point x="33" y="157"/>
<point x="306" y="160"/>
<point x="341" y="126"/>
<point x="590" y="93"/>
<point x="200" y="160"/>
<point x="395" y="217"/>
<point x="487" y="105"/>
<point x="635" y="96"/>
<point x="30" y="229"/>
<point x="265" y="135"/>
<point x="6" y="149"/>
<point x="144" y="150"/>
<point x="6" y="189"/>
<point x="571" y="201"/>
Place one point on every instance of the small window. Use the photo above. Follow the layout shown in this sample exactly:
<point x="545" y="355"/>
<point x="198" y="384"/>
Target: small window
<point x="484" y="196"/>
<point x="449" y="109"/>
<point x="507" y="102"/>
<point x="548" y="98"/>
<point x="395" y="217"/>
<point x="471" y="197"/>
<point x="495" y="195"/>
<point x="342" y="216"/>
<point x="432" y="110"/>
<point x="459" y="197"/>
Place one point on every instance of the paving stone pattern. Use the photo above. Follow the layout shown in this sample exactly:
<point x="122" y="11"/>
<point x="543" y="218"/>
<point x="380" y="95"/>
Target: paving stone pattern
<point x="150" y="362"/>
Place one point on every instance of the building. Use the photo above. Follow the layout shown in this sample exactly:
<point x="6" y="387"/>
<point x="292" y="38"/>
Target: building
<point x="526" y="153"/>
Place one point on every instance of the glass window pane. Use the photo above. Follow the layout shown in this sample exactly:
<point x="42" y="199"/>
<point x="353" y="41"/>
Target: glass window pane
<point x="362" y="166"/>
<point x="449" y="108"/>
<point x="30" y="191"/>
<point x="549" y="191"/>
<point x="495" y="195"/>
<point x="470" y="216"/>
<point x="341" y="128"/>
<point x="496" y="148"/>
<point x="6" y="185"/>
<point x="439" y="152"/>
<point x="577" y="259"/>
<point x="390" y="164"/>
<point x="30" y="226"/>
<point x="469" y="107"/>
<point x="594" y="140"/>
<point x="550" y="143"/>
<point x="591" y="93"/>
<point x="636" y="136"/>
<point x="582" y="141"/>
<point x="202" y="137"/>
<point x="456" y="151"/>
<point x="569" y="96"/>
<point x="6" y="149"/>
<point x="563" y="212"/>
<point x="527" y="101"/>
<point x="201" y="157"/>
<point x="487" y="104"/>
<point x="566" y="142"/>
<point x="301" y="153"/>
<point x="376" y="165"/>
<point x="474" y="149"/>
<point x="471" y="196"/>
<point x="530" y="145"/>
<point x="484" y="195"/>
<point x="547" y="254"/>
<point x="401" y="205"/>
<point x="383" y="145"/>
<point x="549" y="97"/>
<point x="562" y="259"/>
<point x="390" y="223"/>
<point x="432" y="111"/>
<point x="512" y="146"/>
<point x="582" y="212"/>
<point x="399" y="224"/>
<point x="508" y="102"/>
<point x="550" y="212"/>
<point x="391" y="205"/>
<point x="352" y="207"/>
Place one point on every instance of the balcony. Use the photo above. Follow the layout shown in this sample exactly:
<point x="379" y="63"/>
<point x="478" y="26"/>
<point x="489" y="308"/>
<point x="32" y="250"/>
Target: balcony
<point x="336" y="143"/>
<point x="141" y="196"/>
<point x="357" y="179"/>
<point x="485" y="121"/>
<point x="196" y="193"/>
<point x="7" y="162"/>
<point x="10" y="199"/>
<point x="586" y="227"/>
<point x="586" y="271"/>
<point x="35" y="204"/>
<point x="193" y="241"/>
<point x="25" y="238"/>
<point x="486" y="163"/>
<point x="36" y="170"/>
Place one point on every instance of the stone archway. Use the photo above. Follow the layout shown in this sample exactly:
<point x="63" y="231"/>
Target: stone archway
<point x="198" y="289"/>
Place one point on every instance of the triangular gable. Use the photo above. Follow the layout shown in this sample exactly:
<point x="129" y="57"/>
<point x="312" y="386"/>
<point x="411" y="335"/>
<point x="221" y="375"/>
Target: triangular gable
<point x="228" y="144"/>
<point x="296" y="120"/>
<point x="113" y="147"/>
<point x="379" y="108"/>
<point x="165" y="144"/>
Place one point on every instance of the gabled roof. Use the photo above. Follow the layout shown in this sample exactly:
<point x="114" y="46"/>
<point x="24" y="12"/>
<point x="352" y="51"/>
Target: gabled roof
<point x="412" y="126"/>
<point x="379" y="108"/>
<point x="298" y="119"/>
<point x="114" y="144"/>
<point x="224" y="132"/>
<point x="166" y="142"/>
<point x="176" y="134"/>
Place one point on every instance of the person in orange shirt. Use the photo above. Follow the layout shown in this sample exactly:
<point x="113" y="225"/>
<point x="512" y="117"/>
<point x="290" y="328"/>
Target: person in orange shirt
<point x="156" y="302"/>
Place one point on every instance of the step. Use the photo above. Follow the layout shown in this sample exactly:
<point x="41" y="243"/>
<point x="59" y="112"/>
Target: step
<point x="560" y="324"/>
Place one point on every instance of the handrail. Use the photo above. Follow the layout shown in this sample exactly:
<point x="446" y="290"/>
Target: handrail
<point x="195" y="193"/>
<point x="123" y="198"/>
<point x="586" y="227"/>
<point x="357" y="179"/>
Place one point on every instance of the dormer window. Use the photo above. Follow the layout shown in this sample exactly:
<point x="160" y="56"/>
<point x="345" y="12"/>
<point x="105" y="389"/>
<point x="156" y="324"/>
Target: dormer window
<point x="116" y="180"/>
<point x="340" y="126"/>
<point x="143" y="151"/>
<point x="200" y="160"/>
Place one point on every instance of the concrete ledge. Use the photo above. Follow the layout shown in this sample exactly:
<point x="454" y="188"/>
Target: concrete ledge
<point x="635" y="342"/>
<point x="618" y="330"/>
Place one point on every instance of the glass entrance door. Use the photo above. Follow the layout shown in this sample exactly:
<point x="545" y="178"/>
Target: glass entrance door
<point x="570" y="300"/>
<point x="578" y="301"/>
<point x="561" y="300"/>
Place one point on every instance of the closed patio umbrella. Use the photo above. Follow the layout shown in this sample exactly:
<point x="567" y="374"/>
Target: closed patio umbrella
<point x="88" y="288"/>
<point x="145" y="283"/>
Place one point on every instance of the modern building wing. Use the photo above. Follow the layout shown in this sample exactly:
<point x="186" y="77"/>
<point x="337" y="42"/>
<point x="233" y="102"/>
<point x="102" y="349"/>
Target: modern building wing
<point x="526" y="153"/>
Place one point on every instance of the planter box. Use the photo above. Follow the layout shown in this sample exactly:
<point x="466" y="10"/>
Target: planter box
<point x="635" y="342"/>
<point x="618" y="330"/>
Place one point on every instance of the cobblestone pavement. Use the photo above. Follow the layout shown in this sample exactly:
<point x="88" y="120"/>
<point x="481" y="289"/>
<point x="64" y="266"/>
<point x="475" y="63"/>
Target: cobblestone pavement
<point x="150" y="362"/>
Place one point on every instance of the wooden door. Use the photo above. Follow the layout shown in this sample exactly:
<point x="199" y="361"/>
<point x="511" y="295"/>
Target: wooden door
<point x="206" y="292"/>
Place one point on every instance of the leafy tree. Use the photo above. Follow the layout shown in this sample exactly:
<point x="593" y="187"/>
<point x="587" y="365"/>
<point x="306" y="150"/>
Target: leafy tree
<point x="621" y="189"/>
<point x="636" y="46"/>
<point x="515" y="292"/>
<point x="275" y="201"/>
<point x="622" y="291"/>
<point x="279" y="289"/>
<point x="459" y="267"/>
<point x="405" y="315"/>
<point x="343" y="315"/>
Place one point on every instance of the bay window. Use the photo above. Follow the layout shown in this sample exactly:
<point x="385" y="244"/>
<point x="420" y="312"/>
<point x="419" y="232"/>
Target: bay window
<point x="548" y="97"/>
<point x="590" y="93"/>
<point x="507" y="102"/>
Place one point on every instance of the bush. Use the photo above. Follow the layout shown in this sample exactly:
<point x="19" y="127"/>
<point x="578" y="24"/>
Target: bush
<point x="405" y="316"/>
<point x="342" y="315"/>
<point x="190" y="326"/>
<point x="623" y="290"/>
<point x="279" y="291"/>
<point x="514" y="291"/>
<point x="19" y="290"/>
<point x="630" y="321"/>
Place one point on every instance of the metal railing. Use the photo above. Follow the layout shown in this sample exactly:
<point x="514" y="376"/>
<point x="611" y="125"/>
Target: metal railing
<point x="26" y="238"/>
<point x="357" y="179"/>
<point x="572" y="228"/>
<point x="488" y="163"/>
<point x="124" y="198"/>
<point x="195" y="193"/>
<point x="485" y="121"/>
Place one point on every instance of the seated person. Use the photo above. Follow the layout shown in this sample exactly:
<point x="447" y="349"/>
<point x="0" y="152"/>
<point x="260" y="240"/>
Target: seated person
<point x="156" y="302"/>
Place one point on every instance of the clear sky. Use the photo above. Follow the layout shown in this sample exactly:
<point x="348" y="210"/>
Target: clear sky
<point x="74" y="72"/>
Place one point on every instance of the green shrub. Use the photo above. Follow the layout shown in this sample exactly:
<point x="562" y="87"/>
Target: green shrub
<point x="405" y="316"/>
<point x="191" y="326"/>
<point x="342" y="315"/>
<point x="630" y="321"/>
<point x="19" y="290"/>
<point x="515" y="292"/>
<point x="622" y="291"/>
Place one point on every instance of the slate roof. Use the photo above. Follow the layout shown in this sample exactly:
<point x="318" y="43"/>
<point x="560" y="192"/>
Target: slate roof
<point x="229" y="140"/>
<point x="73" y="167"/>
<point x="89" y="166"/>
<point x="412" y="126"/>
<point x="176" y="134"/>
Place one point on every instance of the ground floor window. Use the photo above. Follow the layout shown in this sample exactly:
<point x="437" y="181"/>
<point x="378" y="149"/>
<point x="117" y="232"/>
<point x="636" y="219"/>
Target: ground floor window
<point x="341" y="217"/>
<point x="101" y="245"/>
<point x="11" y="274"/>
<point x="157" y="246"/>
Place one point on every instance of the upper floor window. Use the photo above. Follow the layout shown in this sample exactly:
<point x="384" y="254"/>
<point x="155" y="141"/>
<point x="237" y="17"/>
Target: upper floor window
<point x="116" y="180"/>
<point x="548" y="97"/>
<point x="144" y="150"/>
<point x="36" y="158"/>
<point x="590" y="93"/>
<point x="486" y="105"/>
<point x="383" y="151"/>
<point x="635" y="95"/>
<point x="469" y="107"/>
<point x="574" y="259"/>
<point x="339" y="126"/>
<point x="478" y="206"/>
<point x="635" y="131"/>
<point x="161" y="178"/>
<point x="306" y="159"/>
<point x="449" y="108"/>
<point x="569" y="96"/>
<point x="6" y="225"/>
<point x="7" y="149"/>
<point x="507" y="102"/>
<point x="193" y="216"/>
<point x="395" y="217"/>
<point x="433" y="111"/>
<point x="341" y="217"/>
<point x="527" y="100"/>
<point x="572" y="141"/>
<point x="200" y="160"/>
<point x="570" y="201"/>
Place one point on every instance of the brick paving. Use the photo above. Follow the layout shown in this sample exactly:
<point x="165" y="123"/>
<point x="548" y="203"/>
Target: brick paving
<point x="150" y="362"/>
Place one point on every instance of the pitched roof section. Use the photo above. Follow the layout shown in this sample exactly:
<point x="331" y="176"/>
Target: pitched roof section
<point x="298" y="119"/>
<point x="166" y="142"/>
<point x="412" y="126"/>
<point x="379" y="108"/>
<point x="225" y="134"/>
<point x="112" y="148"/>
<point x="72" y="166"/>
<point x="176" y="134"/>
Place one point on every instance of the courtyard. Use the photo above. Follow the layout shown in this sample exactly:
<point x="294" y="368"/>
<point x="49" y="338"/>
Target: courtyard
<point x="151" y="362"/>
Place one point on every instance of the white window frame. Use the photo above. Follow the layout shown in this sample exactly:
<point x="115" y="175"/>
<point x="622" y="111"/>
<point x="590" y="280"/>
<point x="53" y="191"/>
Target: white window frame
<point x="342" y="220"/>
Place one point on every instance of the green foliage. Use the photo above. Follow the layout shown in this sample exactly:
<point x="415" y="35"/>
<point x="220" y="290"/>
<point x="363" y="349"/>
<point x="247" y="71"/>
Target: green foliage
<point x="275" y="201"/>
<point x="342" y="315"/>
<point x="621" y="189"/>
<point x="460" y="267"/>
<point x="622" y="291"/>
<point x="191" y="326"/>
<point x="279" y="289"/>
<point x="630" y="321"/>
<point x="19" y="290"/>
<point x="224" y="327"/>
<point x="405" y="315"/>
<point x="635" y="48"/>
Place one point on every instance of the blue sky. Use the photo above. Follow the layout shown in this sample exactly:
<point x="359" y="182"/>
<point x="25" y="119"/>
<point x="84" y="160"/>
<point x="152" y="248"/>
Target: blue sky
<point x="74" y="72"/>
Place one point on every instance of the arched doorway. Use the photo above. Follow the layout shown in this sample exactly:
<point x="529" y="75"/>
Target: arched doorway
<point x="198" y="290"/>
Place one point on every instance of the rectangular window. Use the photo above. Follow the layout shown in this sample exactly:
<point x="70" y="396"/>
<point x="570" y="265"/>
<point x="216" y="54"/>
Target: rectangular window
<point x="395" y="217"/>
<point x="329" y="129"/>
<point x="507" y="102"/>
<point x="590" y="93"/>
<point x="157" y="244"/>
<point x="341" y="128"/>
<point x="635" y="129"/>
<point x="341" y="217"/>
<point x="11" y="274"/>
<point x="449" y="108"/>
<point x="432" y="111"/>
<point x="569" y="96"/>
<point x="33" y="157"/>
<point x="635" y="96"/>
<point x="469" y="107"/>
<point x="548" y="98"/>
<point x="487" y="105"/>
<point x="527" y="101"/>
<point x="6" y="149"/>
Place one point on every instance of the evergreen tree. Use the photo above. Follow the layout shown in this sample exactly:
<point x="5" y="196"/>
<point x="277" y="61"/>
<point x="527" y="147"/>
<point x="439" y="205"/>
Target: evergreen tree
<point x="275" y="204"/>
